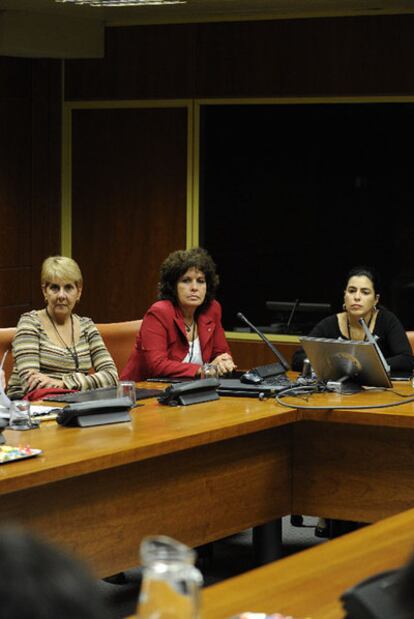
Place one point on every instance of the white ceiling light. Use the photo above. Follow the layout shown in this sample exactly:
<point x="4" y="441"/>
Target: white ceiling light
<point x="123" y="2"/>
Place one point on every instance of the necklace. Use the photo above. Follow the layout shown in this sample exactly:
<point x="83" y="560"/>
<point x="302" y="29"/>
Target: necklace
<point x="348" y="324"/>
<point x="73" y="353"/>
<point x="192" y="342"/>
<point x="188" y="327"/>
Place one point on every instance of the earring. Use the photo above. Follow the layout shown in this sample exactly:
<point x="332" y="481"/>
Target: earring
<point x="344" y="306"/>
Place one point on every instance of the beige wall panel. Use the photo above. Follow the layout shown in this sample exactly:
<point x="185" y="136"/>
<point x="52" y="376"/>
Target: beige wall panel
<point x="128" y="204"/>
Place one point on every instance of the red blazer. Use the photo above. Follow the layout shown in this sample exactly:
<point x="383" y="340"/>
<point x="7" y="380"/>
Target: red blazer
<point x="162" y="342"/>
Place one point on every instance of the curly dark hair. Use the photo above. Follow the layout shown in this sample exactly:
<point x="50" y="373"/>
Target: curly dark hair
<point x="178" y="263"/>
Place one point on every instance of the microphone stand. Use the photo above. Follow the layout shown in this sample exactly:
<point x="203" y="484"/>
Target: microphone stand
<point x="373" y="340"/>
<point x="294" y="308"/>
<point x="279" y="355"/>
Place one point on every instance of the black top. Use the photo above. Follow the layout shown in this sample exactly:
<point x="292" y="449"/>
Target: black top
<point x="392" y="340"/>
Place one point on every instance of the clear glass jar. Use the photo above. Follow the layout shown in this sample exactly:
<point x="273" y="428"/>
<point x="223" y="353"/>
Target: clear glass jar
<point x="171" y="583"/>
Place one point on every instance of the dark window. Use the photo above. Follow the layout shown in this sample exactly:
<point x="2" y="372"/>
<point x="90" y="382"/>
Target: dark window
<point x="293" y="196"/>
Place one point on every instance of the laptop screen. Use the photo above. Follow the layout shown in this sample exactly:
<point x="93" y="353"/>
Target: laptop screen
<point x="335" y="359"/>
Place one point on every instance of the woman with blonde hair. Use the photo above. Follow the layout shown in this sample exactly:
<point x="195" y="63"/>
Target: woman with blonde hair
<point x="54" y="347"/>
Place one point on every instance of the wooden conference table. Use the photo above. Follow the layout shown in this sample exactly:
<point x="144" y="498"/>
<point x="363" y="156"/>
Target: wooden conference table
<point x="203" y="472"/>
<point x="309" y="584"/>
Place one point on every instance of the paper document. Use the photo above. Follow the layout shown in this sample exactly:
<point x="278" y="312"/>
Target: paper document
<point x="37" y="411"/>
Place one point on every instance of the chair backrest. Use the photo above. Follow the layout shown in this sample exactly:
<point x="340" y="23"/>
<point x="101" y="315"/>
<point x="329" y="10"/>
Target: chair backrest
<point x="6" y="337"/>
<point x="410" y="335"/>
<point x="119" y="338"/>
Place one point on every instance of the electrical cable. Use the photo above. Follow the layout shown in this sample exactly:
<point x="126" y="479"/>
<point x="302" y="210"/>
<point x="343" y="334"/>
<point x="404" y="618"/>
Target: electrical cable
<point x="318" y="388"/>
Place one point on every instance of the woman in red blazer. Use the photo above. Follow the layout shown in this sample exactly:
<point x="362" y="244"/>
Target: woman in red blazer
<point x="183" y="330"/>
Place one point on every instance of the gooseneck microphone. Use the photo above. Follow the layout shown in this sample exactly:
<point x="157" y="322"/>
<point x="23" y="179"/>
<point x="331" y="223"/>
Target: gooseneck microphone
<point x="292" y="313"/>
<point x="279" y="355"/>
<point x="373" y="340"/>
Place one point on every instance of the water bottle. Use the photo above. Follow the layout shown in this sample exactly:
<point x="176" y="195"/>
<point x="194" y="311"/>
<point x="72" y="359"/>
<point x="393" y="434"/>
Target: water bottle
<point x="171" y="583"/>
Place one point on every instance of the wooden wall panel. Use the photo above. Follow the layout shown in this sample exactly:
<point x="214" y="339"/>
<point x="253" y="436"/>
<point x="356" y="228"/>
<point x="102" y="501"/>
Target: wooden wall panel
<point x="15" y="180"/>
<point x="370" y="55"/>
<point x="15" y="78"/>
<point x="129" y="204"/>
<point x="251" y="354"/>
<point x="330" y="56"/>
<point x="247" y="57"/>
<point x="46" y="167"/>
<point x="29" y="179"/>
<point x="360" y="473"/>
<point x="306" y="57"/>
<point x="303" y="57"/>
<point x="141" y="62"/>
<point x="349" y="56"/>
<point x="15" y="190"/>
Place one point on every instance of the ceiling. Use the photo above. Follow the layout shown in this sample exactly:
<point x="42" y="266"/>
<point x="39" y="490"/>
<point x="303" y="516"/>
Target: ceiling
<point x="212" y="10"/>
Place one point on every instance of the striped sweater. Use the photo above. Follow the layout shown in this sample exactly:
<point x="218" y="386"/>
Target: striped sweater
<point x="33" y="350"/>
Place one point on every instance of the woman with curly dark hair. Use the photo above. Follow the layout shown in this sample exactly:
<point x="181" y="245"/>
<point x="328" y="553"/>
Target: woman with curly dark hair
<point x="183" y="330"/>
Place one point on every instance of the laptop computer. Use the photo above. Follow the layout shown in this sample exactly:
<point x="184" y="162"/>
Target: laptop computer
<point x="357" y="362"/>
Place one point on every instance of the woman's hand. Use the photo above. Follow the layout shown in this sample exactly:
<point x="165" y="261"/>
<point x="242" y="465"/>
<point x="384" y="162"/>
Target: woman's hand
<point x="224" y="363"/>
<point x="37" y="380"/>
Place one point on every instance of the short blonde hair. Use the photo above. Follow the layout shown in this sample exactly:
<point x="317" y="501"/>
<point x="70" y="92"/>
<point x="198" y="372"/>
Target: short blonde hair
<point x="60" y="267"/>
